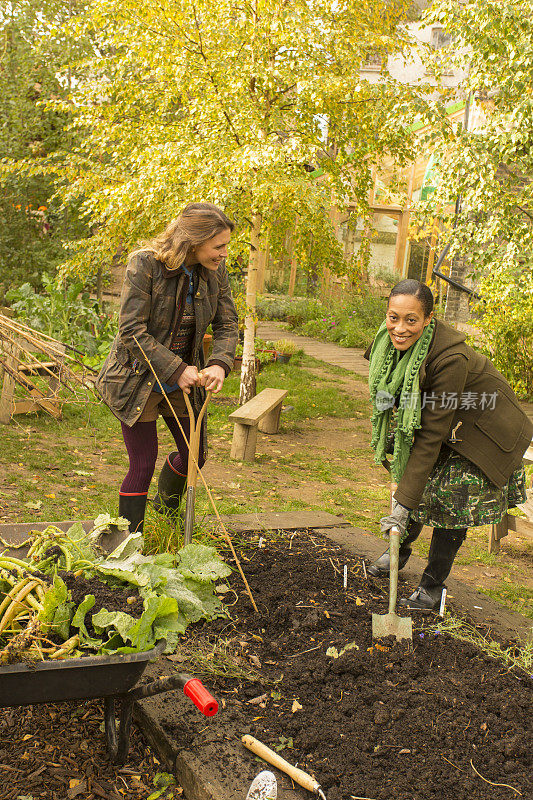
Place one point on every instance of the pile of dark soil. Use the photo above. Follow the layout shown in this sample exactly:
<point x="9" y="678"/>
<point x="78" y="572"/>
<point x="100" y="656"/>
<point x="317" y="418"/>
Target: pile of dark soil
<point x="113" y="599"/>
<point x="57" y="752"/>
<point x="385" y="720"/>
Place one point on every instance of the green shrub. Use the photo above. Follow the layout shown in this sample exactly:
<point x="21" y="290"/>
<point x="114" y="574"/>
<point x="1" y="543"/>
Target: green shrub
<point x="295" y="311"/>
<point x="506" y="326"/>
<point x="66" y="311"/>
<point x="286" y="347"/>
<point x="350" y="323"/>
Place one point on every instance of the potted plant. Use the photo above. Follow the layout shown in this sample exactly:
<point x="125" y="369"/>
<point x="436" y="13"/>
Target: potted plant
<point x="265" y="351"/>
<point x="284" y="350"/>
<point x="237" y="362"/>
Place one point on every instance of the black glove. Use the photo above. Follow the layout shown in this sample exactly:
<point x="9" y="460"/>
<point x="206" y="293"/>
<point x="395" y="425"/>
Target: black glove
<point x="398" y="518"/>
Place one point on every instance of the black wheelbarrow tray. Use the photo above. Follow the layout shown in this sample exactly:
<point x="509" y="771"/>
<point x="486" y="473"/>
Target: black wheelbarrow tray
<point x="112" y="678"/>
<point x="109" y="677"/>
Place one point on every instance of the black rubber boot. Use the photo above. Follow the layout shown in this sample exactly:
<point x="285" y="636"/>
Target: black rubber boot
<point x="381" y="567"/>
<point x="445" y="544"/>
<point x="170" y="488"/>
<point x="132" y="507"/>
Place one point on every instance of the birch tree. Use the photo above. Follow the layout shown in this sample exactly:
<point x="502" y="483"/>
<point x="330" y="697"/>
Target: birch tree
<point x="232" y="102"/>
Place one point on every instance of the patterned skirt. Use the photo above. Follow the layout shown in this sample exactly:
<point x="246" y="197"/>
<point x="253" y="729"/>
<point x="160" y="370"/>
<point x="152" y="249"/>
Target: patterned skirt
<point x="459" y="495"/>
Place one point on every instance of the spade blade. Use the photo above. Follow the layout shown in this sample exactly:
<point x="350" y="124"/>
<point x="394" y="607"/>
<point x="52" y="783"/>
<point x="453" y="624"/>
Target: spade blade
<point x="391" y="625"/>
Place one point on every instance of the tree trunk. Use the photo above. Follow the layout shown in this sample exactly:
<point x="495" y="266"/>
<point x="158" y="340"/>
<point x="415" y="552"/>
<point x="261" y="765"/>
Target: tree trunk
<point x="262" y="262"/>
<point x="293" y="262"/>
<point x="247" y="390"/>
<point x="99" y="286"/>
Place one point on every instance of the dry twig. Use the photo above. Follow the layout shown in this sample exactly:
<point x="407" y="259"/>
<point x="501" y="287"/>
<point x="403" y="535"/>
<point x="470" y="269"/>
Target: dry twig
<point x="491" y="783"/>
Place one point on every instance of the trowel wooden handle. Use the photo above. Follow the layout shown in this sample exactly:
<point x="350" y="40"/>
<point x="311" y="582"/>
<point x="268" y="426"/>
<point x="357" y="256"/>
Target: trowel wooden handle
<point x="298" y="775"/>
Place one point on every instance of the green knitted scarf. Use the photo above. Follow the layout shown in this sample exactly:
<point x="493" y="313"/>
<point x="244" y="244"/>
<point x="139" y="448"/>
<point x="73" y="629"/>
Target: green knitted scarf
<point x="389" y="377"/>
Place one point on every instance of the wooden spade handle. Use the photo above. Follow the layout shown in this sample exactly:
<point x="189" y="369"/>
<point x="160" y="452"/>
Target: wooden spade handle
<point x="394" y="553"/>
<point x="195" y="427"/>
<point x="264" y="752"/>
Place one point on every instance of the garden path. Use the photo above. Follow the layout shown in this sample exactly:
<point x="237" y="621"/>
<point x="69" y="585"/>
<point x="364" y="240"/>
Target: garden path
<point x="350" y="358"/>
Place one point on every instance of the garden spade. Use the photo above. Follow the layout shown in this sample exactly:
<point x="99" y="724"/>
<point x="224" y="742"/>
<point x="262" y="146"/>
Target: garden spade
<point x="391" y="624"/>
<point x="192" y="469"/>
<point x="297" y="775"/>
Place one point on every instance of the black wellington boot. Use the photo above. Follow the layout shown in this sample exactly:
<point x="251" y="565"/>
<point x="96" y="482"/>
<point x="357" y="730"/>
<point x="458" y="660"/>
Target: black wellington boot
<point x="445" y="544"/>
<point x="170" y="488"/>
<point x="381" y="567"/>
<point x="132" y="507"/>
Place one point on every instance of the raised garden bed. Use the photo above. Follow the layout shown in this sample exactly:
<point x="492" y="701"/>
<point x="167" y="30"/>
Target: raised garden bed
<point x="382" y="720"/>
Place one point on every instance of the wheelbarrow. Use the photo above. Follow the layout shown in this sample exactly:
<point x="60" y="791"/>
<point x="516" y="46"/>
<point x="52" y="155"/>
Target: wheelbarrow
<point x="109" y="677"/>
<point x="89" y="677"/>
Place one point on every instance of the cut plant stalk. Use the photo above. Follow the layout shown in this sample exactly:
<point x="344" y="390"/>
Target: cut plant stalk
<point x="206" y="487"/>
<point x="17" y="606"/>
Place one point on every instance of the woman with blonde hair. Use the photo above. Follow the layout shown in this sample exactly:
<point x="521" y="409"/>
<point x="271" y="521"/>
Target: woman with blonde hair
<point x="175" y="286"/>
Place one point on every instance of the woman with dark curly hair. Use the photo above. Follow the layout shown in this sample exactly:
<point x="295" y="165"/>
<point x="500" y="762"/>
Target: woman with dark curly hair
<point x="455" y="431"/>
<point x="175" y="286"/>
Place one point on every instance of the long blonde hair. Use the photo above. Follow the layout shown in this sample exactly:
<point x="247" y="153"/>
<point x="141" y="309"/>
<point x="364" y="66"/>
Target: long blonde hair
<point x="197" y="223"/>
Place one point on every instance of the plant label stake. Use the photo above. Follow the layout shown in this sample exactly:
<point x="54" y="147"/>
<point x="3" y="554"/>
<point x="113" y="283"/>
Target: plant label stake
<point x="345" y="577"/>
<point x="297" y="775"/>
<point x="192" y="471"/>
<point x="391" y="624"/>
<point x="442" y="603"/>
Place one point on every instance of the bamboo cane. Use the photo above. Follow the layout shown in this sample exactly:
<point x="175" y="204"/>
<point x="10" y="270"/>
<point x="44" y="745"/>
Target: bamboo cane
<point x="36" y="395"/>
<point x="51" y="354"/>
<point x="215" y="509"/>
<point x="45" y="347"/>
<point x="56" y="375"/>
<point x="40" y="334"/>
<point x="35" y="337"/>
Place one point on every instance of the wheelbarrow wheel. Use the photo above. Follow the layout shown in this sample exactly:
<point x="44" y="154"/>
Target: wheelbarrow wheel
<point x="118" y="739"/>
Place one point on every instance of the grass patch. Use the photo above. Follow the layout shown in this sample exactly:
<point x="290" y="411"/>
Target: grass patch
<point x="514" y="595"/>
<point x="514" y="657"/>
<point x="309" y="394"/>
<point x="223" y="658"/>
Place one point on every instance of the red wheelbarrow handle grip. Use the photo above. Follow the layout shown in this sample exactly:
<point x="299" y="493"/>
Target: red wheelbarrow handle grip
<point x="202" y="699"/>
<point x="192" y="687"/>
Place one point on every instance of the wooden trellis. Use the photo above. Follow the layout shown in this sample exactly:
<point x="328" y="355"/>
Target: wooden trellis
<point x="47" y="371"/>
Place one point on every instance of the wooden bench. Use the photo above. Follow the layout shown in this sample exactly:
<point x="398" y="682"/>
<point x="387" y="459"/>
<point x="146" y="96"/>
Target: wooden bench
<point x="262" y="413"/>
<point x="510" y="522"/>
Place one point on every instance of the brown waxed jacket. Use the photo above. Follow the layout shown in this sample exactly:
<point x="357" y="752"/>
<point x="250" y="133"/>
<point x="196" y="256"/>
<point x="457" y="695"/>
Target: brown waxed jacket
<point x="491" y="430"/>
<point x="151" y="309"/>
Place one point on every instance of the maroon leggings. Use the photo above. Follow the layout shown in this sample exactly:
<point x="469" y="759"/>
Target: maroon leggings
<point x="141" y="444"/>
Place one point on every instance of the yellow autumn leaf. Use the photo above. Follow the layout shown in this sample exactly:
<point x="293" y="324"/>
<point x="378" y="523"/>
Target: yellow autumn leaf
<point x="358" y="601"/>
<point x="296" y="706"/>
<point x="73" y="782"/>
<point x="51" y="496"/>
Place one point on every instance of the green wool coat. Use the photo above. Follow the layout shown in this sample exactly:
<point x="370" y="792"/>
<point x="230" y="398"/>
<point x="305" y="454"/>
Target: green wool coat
<point x="151" y="309"/>
<point x="487" y="425"/>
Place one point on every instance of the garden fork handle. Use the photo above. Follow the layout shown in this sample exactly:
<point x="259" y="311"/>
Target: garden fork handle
<point x="194" y="437"/>
<point x="192" y="465"/>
